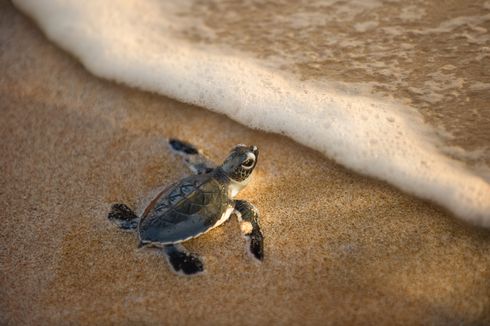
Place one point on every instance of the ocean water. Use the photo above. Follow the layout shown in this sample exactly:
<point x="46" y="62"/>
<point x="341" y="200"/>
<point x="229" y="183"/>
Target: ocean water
<point x="398" y="91"/>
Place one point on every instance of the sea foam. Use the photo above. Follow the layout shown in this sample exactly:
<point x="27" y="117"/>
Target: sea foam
<point x="134" y="42"/>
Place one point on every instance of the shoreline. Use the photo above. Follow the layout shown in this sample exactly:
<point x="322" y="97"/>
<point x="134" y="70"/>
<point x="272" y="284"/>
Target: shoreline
<point x="373" y="137"/>
<point x="346" y="248"/>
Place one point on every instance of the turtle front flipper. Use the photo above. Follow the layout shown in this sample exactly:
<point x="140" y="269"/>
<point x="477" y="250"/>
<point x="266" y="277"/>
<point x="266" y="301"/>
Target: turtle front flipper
<point x="248" y="216"/>
<point x="193" y="158"/>
<point x="182" y="261"/>
<point x="124" y="217"/>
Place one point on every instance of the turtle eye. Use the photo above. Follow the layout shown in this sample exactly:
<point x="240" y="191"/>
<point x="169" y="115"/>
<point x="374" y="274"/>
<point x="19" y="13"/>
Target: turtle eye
<point x="248" y="163"/>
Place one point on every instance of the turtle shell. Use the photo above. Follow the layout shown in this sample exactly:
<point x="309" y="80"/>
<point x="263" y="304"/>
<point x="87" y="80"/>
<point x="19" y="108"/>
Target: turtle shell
<point x="184" y="210"/>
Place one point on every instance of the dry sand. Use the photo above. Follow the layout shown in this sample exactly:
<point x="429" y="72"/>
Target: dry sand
<point x="340" y="248"/>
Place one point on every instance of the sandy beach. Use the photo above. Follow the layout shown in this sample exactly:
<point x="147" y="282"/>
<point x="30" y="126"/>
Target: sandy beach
<point x="340" y="248"/>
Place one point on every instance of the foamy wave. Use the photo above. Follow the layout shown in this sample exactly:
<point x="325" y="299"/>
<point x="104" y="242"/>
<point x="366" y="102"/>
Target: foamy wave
<point x="133" y="43"/>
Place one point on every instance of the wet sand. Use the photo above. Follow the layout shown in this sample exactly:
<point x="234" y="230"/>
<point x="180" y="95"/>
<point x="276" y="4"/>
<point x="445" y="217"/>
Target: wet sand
<point x="340" y="248"/>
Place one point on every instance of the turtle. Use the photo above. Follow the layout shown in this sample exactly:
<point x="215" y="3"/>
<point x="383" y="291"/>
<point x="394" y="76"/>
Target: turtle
<point x="195" y="205"/>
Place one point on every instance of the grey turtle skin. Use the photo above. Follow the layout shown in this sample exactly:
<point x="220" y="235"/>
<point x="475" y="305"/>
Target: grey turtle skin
<point x="195" y="205"/>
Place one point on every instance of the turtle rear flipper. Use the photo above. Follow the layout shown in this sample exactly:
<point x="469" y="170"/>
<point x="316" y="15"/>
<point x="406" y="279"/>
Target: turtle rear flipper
<point x="193" y="158"/>
<point x="124" y="217"/>
<point x="183" y="261"/>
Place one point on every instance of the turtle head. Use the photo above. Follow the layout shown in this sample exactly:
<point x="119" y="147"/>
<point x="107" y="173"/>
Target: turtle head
<point x="240" y="163"/>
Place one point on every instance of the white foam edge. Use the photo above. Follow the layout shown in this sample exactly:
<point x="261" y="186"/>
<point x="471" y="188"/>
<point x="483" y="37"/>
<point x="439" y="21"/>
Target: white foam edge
<point x="372" y="137"/>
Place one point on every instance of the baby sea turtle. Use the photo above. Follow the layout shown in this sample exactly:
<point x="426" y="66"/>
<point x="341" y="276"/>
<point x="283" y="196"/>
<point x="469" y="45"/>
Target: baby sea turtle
<point x="195" y="205"/>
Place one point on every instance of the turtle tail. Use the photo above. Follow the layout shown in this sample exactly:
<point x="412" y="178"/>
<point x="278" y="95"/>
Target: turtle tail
<point x="123" y="216"/>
